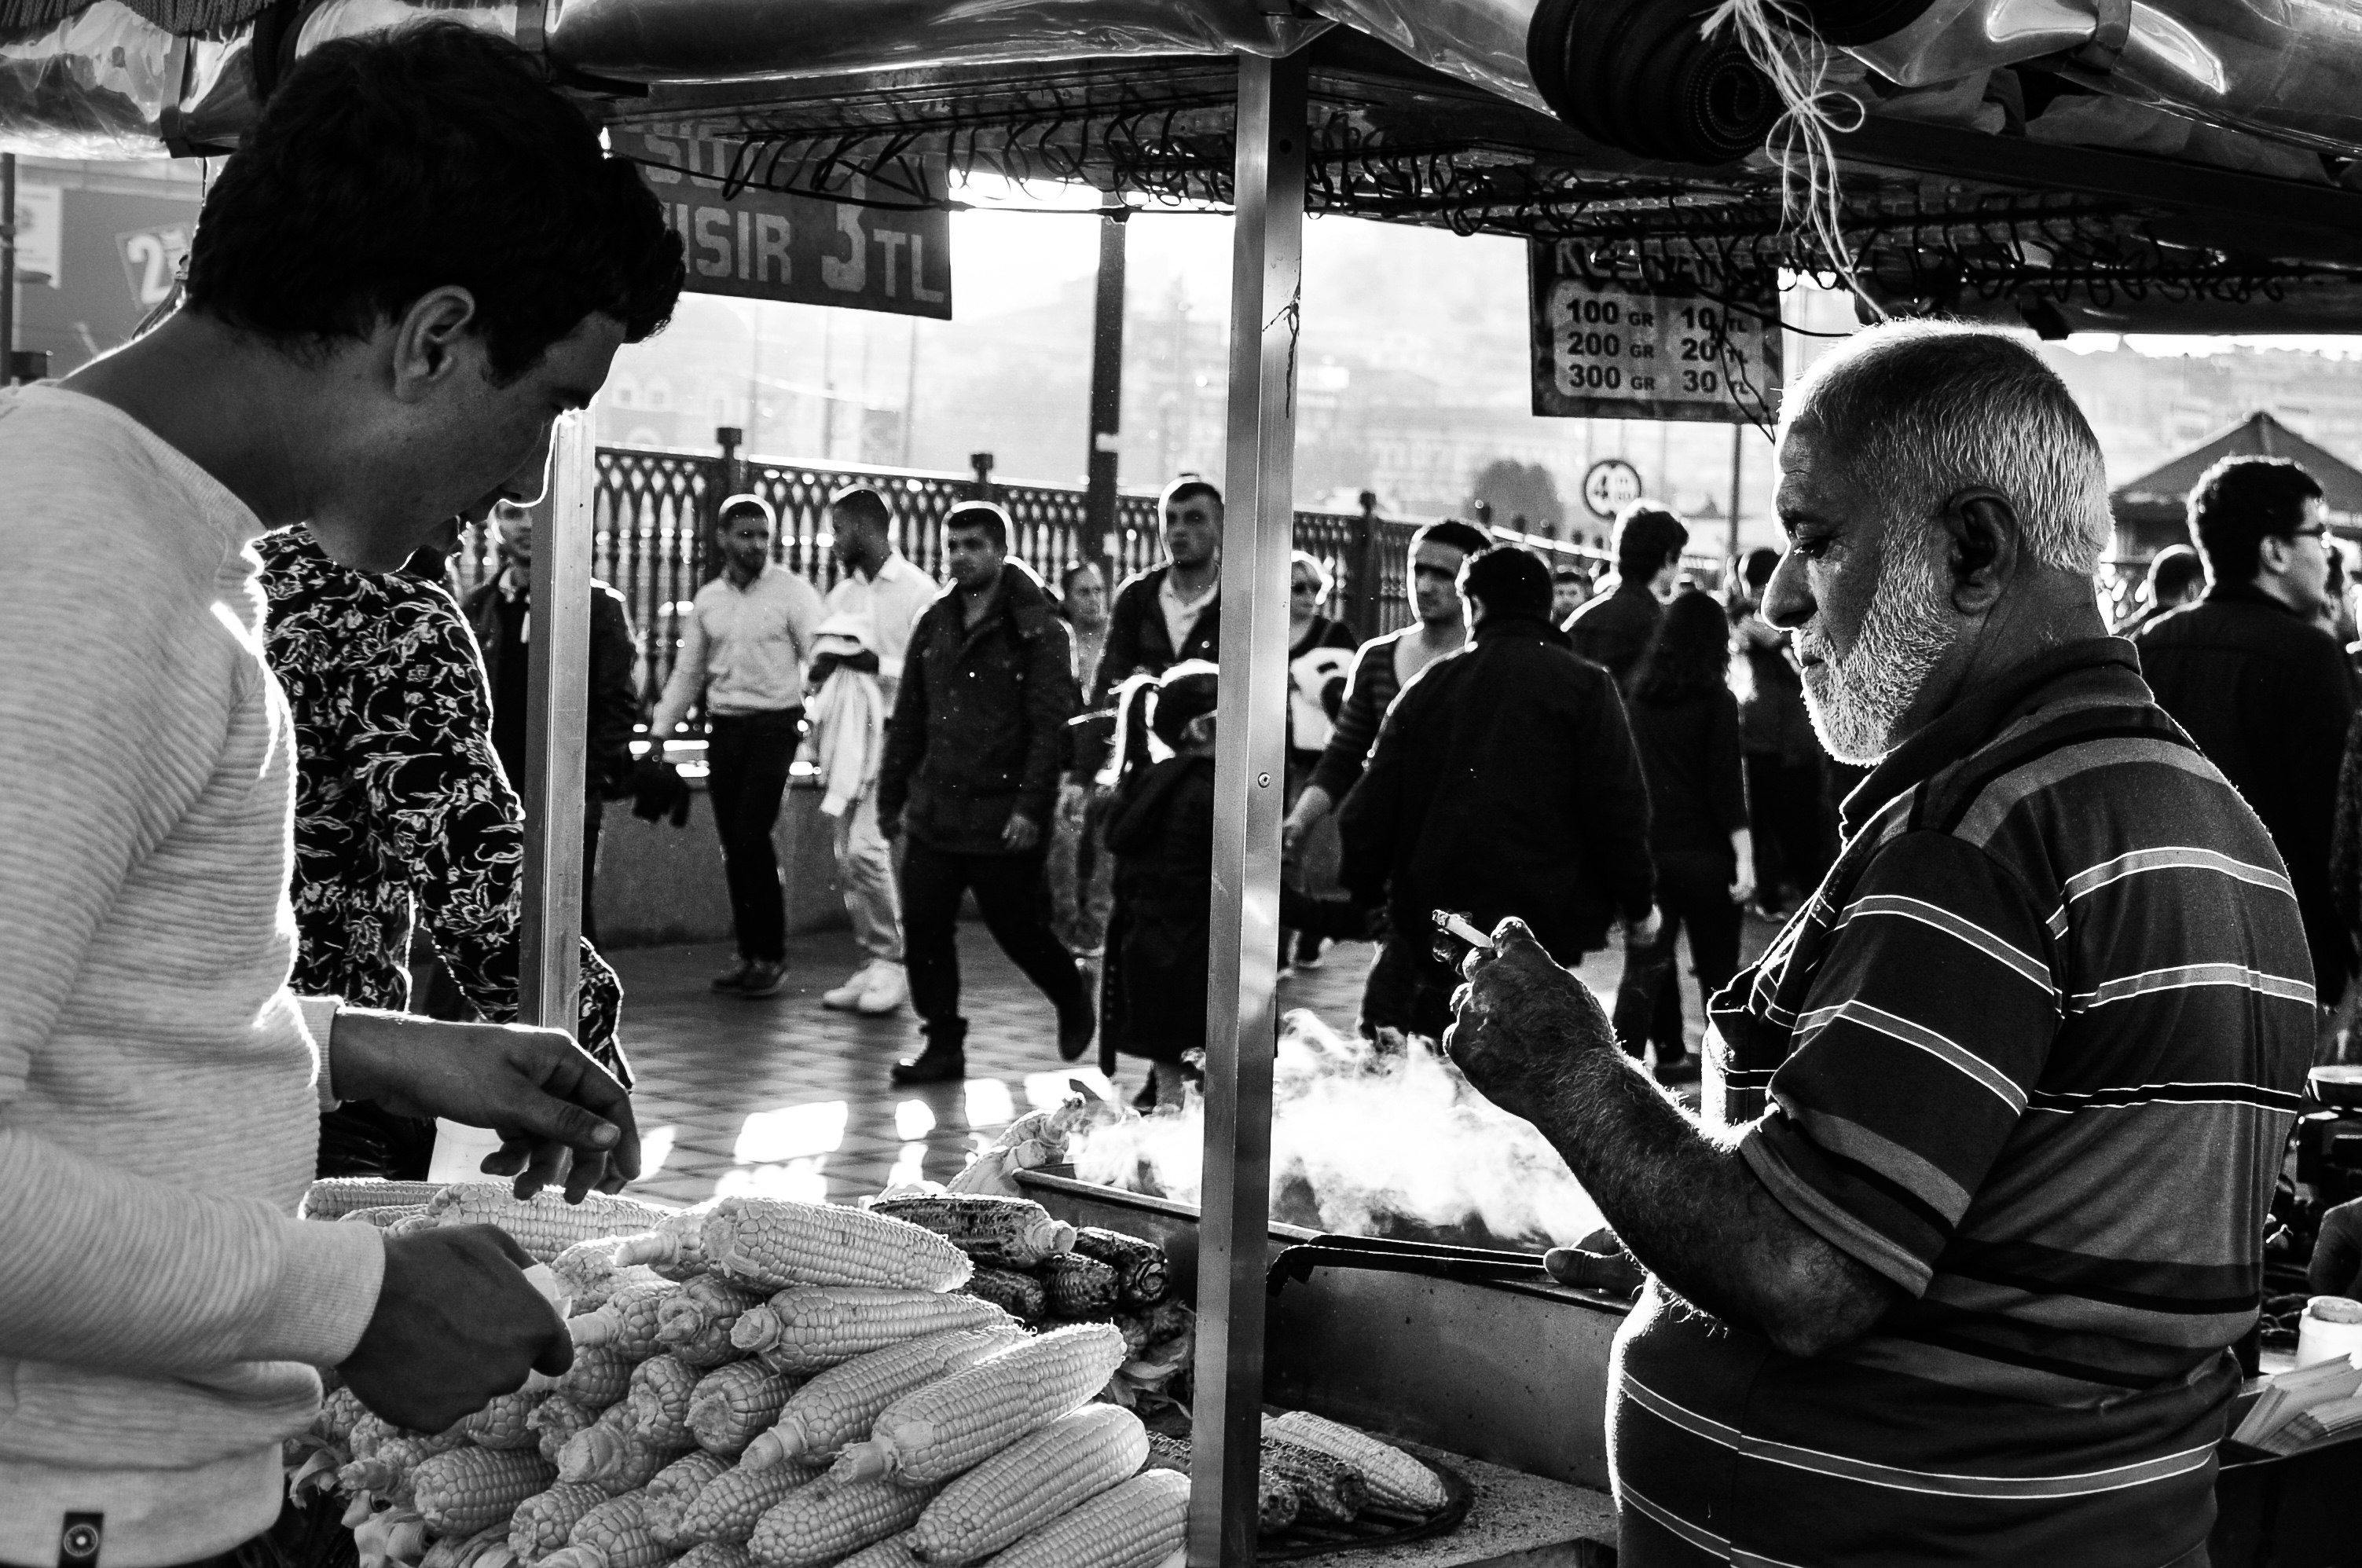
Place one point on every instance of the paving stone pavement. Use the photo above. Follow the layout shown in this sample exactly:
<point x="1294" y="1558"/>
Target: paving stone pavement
<point x="781" y="1097"/>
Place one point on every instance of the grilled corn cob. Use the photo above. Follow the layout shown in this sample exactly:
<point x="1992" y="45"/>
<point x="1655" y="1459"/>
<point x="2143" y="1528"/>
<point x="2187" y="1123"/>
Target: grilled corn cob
<point x="1078" y="1287"/>
<point x="1143" y="1272"/>
<point x="659" y="1401"/>
<point x="610" y="1455"/>
<point x="540" y="1524"/>
<point x="830" y="1519"/>
<point x="1006" y="1232"/>
<point x="333" y="1196"/>
<point x="381" y="1217"/>
<point x="463" y="1491"/>
<point x="776" y="1243"/>
<point x="553" y="1421"/>
<point x="1395" y="1479"/>
<point x="1275" y="1500"/>
<point x="544" y="1224"/>
<point x="1039" y="1477"/>
<point x="732" y="1404"/>
<point x="934" y="1432"/>
<point x="839" y="1406"/>
<point x="613" y="1535"/>
<point x="501" y="1423"/>
<point x="697" y="1321"/>
<point x="666" y="1499"/>
<point x="728" y="1508"/>
<point x="1136" y="1524"/>
<point x="339" y="1412"/>
<point x="1019" y="1294"/>
<point x="714" y="1554"/>
<point x="1328" y="1490"/>
<point x="601" y="1376"/>
<point x="810" y="1328"/>
<point x="627" y="1322"/>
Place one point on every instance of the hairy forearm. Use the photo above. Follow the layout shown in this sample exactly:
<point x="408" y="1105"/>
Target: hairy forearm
<point x="1687" y="1207"/>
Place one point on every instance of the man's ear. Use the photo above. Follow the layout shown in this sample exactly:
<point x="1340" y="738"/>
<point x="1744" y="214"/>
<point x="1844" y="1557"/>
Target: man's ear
<point x="428" y="340"/>
<point x="1985" y="539"/>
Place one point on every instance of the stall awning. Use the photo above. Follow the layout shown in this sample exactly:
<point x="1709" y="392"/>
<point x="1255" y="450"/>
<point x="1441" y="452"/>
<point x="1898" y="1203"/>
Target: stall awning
<point x="2152" y="510"/>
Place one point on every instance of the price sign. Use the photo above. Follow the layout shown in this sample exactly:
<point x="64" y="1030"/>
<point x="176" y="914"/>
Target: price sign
<point x="1610" y="485"/>
<point x="1611" y="351"/>
<point x="151" y="261"/>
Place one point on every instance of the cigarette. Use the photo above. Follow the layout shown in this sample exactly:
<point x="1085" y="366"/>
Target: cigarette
<point x="1457" y="925"/>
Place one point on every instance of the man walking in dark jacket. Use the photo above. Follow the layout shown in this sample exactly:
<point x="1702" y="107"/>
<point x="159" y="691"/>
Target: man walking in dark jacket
<point x="1615" y="628"/>
<point x="1504" y="782"/>
<point x="2261" y="688"/>
<point x="971" y="774"/>
<point x="1174" y="611"/>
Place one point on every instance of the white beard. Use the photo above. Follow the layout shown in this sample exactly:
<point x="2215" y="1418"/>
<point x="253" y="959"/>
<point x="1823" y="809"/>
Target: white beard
<point x="1857" y="698"/>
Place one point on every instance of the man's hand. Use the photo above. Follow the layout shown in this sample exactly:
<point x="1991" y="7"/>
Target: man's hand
<point x="1311" y="805"/>
<point x="456" y="1325"/>
<point x="547" y="1100"/>
<point x="1022" y="833"/>
<point x="1521" y="1019"/>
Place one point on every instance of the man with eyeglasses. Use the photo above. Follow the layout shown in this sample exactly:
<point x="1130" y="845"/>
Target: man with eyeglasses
<point x="2259" y="686"/>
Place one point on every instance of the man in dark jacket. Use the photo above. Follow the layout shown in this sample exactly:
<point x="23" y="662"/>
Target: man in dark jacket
<point x="1174" y="611"/>
<point x="2261" y="688"/>
<point x="1504" y="781"/>
<point x="971" y="774"/>
<point x="1615" y="628"/>
<point x="498" y="610"/>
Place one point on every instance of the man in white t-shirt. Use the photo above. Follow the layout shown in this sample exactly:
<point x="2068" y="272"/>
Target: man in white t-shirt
<point x="417" y="258"/>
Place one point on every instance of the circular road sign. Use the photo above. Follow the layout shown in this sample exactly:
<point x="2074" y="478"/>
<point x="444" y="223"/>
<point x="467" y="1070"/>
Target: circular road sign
<point x="1611" y="485"/>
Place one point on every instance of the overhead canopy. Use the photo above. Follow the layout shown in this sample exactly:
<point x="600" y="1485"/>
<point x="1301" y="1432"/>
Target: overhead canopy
<point x="2152" y="510"/>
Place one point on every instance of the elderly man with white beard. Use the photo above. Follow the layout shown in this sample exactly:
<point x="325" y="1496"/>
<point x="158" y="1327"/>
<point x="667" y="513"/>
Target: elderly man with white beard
<point x="1949" y="1269"/>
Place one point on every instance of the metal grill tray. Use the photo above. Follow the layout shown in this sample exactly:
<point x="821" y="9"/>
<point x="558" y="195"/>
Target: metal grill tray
<point x="1294" y="1543"/>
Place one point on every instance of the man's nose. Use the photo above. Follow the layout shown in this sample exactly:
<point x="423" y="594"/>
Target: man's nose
<point x="1787" y="598"/>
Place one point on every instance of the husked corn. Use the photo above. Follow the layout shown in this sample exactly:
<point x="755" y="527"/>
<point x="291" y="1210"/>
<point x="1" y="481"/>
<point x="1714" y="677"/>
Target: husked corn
<point x="1143" y="1272"/>
<point x="1008" y="1233"/>
<point x="659" y="1400"/>
<point x="544" y="1224"/>
<point x="815" y="1525"/>
<point x="714" y="1554"/>
<point x="936" y="1431"/>
<point x="469" y="1488"/>
<point x="339" y="1411"/>
<point x="588" y="1274"/>
<point x="332" y="1198"/>
<point x="675" y="1246"/>
<point x="730" y="1504"/>
<point x="778" y="1242"/>
<point x="613" y="1535"/>
<point x="839" y="1406"/>
<point x="1038" y="1478"/>
<point x="367" y="1433"/>
<point x="1136" y="1524"/>
<point x="810" y="1328"/>
<point x="696" y="1322"/>
<point x="381" y="1218"/>
<point x="627" y="1322"/>
<point x="1019" y="1294"/>
<point x="665" y="1499"/>
<point x="886" y="1554"/>
<point x="732" y="1404"/>
<point x="1078" y="1287"/>
<point x="553" y="1421"/>
<point x="501" y="1423"/>
<point x="609" y="1454"/>
<point x="386" y="1471"/>
<point x="540" y="1524"/>
<point x="1395" y="1479"/>
<point x="601" y="1376"/>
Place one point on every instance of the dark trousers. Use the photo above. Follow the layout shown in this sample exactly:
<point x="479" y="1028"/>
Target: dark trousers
<point x="748" y="758"/>
<point x="1692" y="890"/>
<point x="1013" y="892"/>
<point x="593" y="811"/>
<point x="1409" y="988"/>
<point x="1787" y="806"/>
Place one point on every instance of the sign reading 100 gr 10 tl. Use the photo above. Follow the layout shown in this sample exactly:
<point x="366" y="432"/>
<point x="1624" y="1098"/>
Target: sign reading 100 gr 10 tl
<point x="1612" y="350"/>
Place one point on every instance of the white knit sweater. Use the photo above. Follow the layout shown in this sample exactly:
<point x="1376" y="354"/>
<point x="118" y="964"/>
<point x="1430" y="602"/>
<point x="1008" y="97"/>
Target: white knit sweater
<point x="160" y="1309"/>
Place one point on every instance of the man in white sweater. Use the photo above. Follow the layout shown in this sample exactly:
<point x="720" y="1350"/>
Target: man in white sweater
<point x="418" y="258"/>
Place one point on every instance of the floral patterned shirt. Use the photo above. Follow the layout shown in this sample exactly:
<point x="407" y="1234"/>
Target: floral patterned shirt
<point x="402" y="814"/>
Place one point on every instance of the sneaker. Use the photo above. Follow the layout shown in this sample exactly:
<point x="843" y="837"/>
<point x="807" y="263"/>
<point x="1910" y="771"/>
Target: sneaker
<point x="734" y="978"/>
<point x="887" y="991"/>
<point x="762" y="979"/>
<point x="847" y="997"/>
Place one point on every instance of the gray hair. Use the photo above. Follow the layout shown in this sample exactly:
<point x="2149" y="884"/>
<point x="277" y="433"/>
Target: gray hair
<point x="1933" y="407"/>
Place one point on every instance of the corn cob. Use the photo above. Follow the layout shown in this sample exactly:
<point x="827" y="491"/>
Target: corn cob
<point x="935" y="1432"/>
<point x="887" y="1554"/>
<point x="666" y="1500"/>
<point x="409" y="1224"/>
<point x="1328" y="1490"/>
<point x="1136" y="1524"/>
<point x="732" y="1404"/>
<point x="503" y="1423"/>
<point x="588" y="1274"/>
<point x="613" y="1535"/>
<point x="467" y="1489"/>
<point x="334" y="1197"/>
<point x="387" y="1470"/>
<point x="1078" y="1287"/>
<point x="1006" y="1232"/>
<point x="659" y="1401"/>
<point x="697" y="1321"/>
<point x="367" y="1433"/>
<point x="776" y="1243"/>
<point x="340" y="1413"/>
<point x="627" y="1322"/>
<point x="610" y="1455"/>
<point x="727" y="1509"/>
<point x="540" y="1524"/>
<point x="1276" y="1501"/>
<point x="1395" y="1479"/>
<point x="832" y="1519"/>
<point x="601" y="1376"/>
<point x="714" y="1554"/>
<point x="1036" y="1479"/>
<point x="381" y="1217"/>
<point x="810" y="1328"/>
<point x="545" y="1224"/>
<point x="675" y="1246"/>
<point x="553" y="1421"/>
<point x="1019" y="1294"/>
<point x="1143" y="1272"/>
<point x="839" y="1406"/>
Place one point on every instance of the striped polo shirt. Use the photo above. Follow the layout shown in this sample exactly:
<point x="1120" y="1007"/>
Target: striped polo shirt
<point x="2032" y="1053"/>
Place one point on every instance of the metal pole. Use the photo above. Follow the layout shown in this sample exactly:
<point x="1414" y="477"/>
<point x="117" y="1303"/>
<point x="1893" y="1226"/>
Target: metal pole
<point x="1738" y="454"/>
<point x="558" y="671"/>
<point x="7" y="268"/>
<point x="1106" y="390"/>
<point x="1244" y="962"/>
